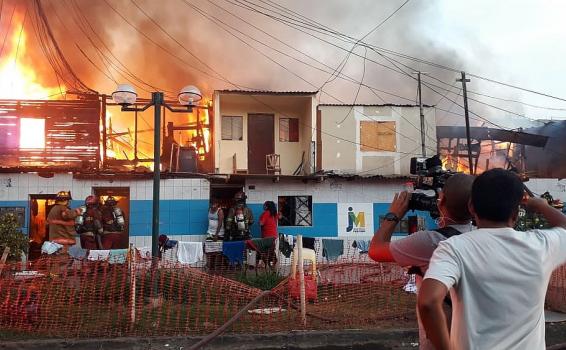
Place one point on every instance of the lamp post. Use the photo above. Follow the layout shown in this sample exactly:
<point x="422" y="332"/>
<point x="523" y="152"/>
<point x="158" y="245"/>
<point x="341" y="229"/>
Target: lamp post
<point x="125" y="95"/>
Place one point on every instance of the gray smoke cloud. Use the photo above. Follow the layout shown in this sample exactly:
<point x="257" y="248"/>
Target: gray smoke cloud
<point x="168" y="66"/>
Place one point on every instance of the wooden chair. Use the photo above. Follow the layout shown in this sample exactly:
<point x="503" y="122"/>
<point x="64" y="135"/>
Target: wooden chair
<point x="235" y="169"/>
<point x="273" y="163"/>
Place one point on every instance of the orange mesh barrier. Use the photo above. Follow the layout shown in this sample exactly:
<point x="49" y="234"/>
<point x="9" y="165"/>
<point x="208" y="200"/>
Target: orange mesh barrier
<point x="62" y="297"/>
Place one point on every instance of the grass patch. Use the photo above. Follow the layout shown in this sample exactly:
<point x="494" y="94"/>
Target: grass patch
<point x="263" y="281"/>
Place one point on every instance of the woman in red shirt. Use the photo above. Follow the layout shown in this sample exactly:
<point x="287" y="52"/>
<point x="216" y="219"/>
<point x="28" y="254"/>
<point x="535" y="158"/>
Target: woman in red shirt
<point x="268" y="220"/>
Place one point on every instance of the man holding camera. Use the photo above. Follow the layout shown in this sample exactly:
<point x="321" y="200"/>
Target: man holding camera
<point x="497" y="276"/>
<point x="416" y="249"/>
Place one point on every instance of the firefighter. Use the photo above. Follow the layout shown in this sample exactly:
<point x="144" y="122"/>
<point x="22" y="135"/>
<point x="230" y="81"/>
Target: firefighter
<point x="61" y="221"/>
<point x="113" y="224"/>
<point x="239" y="219"/>
<point x="89" y="224"/>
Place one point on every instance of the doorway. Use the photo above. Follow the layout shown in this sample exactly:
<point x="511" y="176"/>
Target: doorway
<point x="40" y="205"/>
<point x="122" y="196"/>
<point x="261" y="141"/>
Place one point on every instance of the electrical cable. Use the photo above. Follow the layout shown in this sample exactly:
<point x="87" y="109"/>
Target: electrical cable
<point x="449" y="68"/>
<point x="7" y="31"/>
<point x="203" y="13"/>
<point x="120" y="67"/>
<point x="321" y="29"/>
<point x="341" y="66"/>
<point x="172" y="54"/>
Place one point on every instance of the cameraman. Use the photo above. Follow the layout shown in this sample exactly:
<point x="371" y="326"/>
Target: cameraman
<point x="416" y="249"/>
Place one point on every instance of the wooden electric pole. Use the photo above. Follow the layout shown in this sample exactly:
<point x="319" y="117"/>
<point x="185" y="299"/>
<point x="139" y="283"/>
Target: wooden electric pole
<point x="463" y="80"/>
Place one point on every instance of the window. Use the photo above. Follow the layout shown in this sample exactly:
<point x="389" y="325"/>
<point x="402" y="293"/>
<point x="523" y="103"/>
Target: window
<point x="32" y="133"/>
<point x="295" y="210"/>
<point x="377" y="136"/>
<point x="289" y="130"/>
<point x="232" y="128"/>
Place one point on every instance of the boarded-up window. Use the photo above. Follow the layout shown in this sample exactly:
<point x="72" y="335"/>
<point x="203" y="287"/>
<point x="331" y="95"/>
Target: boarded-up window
<point x="289" y="130"/>
<point x="377" y="136"/>
<point x="232" y="128"/>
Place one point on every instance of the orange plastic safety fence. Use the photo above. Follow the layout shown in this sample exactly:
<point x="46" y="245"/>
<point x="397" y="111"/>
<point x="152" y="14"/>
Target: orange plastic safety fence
<point x="63" y="297"/>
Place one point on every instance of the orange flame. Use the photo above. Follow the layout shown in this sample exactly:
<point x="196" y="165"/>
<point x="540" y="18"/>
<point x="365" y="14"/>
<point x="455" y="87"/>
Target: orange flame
<point x="18" y="80"/>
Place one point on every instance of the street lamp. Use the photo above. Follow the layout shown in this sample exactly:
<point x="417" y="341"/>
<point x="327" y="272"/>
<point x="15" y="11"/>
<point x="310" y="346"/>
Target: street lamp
<point x="125" y="95"/>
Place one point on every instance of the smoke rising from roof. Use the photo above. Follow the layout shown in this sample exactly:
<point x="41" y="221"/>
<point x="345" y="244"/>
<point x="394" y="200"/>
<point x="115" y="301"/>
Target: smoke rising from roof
<point x="105" y="49"/>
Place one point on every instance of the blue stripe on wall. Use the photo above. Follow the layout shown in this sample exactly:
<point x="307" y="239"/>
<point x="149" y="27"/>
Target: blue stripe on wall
<point x="176" y="217"/>
<point x="25" y="228"/>
<point x="325" y="221"/>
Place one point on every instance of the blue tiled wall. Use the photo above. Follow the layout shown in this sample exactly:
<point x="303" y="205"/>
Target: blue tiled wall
<point x="176" y="217"/>
<point x="189" y="217"/>
<point x="325" y="221"/>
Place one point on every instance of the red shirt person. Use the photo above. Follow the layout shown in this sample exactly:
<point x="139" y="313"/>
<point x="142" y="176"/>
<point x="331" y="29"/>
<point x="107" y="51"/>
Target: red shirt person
<point x="268" y="220"/>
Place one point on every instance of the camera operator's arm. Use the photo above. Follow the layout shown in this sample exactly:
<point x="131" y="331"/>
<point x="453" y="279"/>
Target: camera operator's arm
<point x="554" y="217"/>
<point x="379" y="247"/>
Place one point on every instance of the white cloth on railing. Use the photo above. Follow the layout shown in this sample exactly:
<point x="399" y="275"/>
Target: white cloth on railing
<point x="212" y="247"/>
<point x="189" y="252"/>
<point x="96" y="255"/>
<point x="145" y="252"/>
<point x="49" y="247"/>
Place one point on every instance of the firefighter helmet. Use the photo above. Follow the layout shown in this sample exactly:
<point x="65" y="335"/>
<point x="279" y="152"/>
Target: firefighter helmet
<point x="111" y="201"/>
<point x="63" y="196"/>
<point x="240" y="196"/>
<point x="91" y="200"/>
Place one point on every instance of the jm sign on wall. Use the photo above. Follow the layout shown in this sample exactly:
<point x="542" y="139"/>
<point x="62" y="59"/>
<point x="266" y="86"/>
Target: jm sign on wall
<point x="355" y="219"/>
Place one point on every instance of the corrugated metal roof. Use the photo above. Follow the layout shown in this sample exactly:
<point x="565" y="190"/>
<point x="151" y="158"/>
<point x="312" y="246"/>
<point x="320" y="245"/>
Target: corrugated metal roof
<point x="266" y="92"/>
<point x="369" y="105"/>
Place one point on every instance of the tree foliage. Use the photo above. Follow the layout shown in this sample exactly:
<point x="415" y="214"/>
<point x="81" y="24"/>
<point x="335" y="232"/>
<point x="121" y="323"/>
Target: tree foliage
<point x="12" y="236"/>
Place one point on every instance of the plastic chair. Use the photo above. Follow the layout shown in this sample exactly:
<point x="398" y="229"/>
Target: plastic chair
<point x="272" y="163"/>
<point x="308" y="254"/>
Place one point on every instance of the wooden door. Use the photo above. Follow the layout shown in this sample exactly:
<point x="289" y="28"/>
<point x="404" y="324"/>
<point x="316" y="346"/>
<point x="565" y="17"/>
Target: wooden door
<point x="261" y="141"/>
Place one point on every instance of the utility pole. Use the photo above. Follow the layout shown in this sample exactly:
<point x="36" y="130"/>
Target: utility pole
<point x="463" y="80"/>
<point x="423" y="147"/>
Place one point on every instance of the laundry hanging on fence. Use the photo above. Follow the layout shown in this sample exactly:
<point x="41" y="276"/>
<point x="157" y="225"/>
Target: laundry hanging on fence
<point x="49" y="247"/>
<point x="362" y="245"/>
<point x="144" y="252"/>
<point x="234" y="251"/>
<point x="189" y="252"/>
<point x="77" y="252"/>
<point x="308" y="242"/>
<point x="118" y="256"/>
<point x="261" y="245"/>
<point x="96" y="255"/>
<point x="286" y="245"/>
<point x="212" y="247"/>
<point x="332" y="249"/>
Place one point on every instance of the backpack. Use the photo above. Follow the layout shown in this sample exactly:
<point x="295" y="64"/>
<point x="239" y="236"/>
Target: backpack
<point x="447" y="232"/>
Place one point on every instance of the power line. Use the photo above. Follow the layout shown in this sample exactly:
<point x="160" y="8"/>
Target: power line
<point x="203" y="13"/>
<point x="172" y="54"/>
<point x="120" y="67"/>
<point x="7" y="31"/>
<point x="341" y="66"/>
<point x="398" y="70"/>
<point x="325" y="30"/>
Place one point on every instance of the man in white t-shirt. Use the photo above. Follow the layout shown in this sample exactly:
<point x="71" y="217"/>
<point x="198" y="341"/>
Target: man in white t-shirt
<point x="416" y="249"/>
<point x="497" y="276"/>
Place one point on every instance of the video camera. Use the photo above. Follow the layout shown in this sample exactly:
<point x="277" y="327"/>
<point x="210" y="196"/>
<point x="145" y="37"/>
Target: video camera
<point x="430" y="176"/>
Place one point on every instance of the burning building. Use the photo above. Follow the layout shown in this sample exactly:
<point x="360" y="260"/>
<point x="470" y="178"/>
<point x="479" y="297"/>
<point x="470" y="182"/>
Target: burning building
<point x="320" y="163"/>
